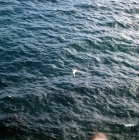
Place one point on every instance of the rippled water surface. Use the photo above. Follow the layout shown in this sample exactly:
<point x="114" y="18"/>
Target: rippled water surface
<point x="41" y="41"/>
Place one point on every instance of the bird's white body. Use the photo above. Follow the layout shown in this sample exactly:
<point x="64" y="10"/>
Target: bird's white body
<point x="74" y="71"/>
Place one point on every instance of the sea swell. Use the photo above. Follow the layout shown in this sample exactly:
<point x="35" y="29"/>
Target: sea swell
<point x="41" y="41"/>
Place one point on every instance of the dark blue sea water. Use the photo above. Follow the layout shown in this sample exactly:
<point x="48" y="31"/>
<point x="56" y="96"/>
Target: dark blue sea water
<point x="41" y="41"/>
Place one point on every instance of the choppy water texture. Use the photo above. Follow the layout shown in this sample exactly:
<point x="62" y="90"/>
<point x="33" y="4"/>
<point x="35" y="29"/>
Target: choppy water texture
<point x="41" y="41"/>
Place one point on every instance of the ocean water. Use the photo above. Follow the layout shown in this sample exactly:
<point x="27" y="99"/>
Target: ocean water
<point x="41" y="41"/>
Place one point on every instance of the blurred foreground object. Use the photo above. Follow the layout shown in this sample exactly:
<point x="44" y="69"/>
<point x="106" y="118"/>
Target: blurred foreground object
<point x="98" y="136"/>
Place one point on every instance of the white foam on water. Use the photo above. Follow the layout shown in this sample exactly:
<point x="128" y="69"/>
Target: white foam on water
<point x="129" y="125"/>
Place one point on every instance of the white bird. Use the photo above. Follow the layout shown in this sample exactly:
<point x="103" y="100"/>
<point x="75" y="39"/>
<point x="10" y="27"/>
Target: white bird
<point x="74" y="71"/>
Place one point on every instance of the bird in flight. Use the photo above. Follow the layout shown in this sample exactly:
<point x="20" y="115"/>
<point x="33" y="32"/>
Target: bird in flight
<point x="74" y="71"/>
